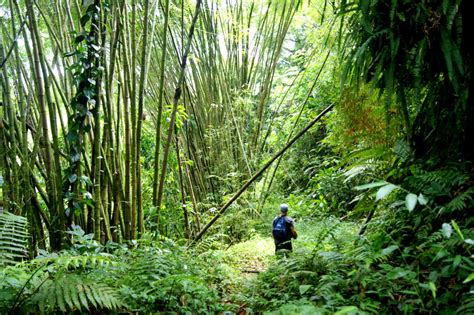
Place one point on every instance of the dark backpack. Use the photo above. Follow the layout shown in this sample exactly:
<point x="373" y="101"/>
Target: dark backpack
<point x="280" y="232"/>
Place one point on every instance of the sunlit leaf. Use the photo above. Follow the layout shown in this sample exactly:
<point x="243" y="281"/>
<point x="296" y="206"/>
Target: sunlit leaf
<point x="389" y="250"/>
<point x="346" y="310"/>
<point x="469" y="278"/>
<point x="370" y="185"/>
<point x="385" y="191"/>
<point x="410" y="201"/>
<point x="447" y="230"/>
<point x="304" y="288"/>
<point x="422" y="200"/>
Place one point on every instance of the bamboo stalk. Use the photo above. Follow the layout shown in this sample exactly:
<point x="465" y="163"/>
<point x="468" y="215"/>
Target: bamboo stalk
<point x="141" y="98"/>
<point x="55" y="239"/>
<point x="176" y="98"/>
<point x="160" y="106"/>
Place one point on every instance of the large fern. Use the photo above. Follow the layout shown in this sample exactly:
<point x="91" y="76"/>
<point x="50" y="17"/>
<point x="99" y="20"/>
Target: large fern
<point x="64" y="283"/>
<point x="13" y="238"/>
<point x="71" y="292"/>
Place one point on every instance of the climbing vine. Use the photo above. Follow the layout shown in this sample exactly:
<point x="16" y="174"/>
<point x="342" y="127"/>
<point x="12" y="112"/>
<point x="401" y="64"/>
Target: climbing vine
<point x="86" y="71"/>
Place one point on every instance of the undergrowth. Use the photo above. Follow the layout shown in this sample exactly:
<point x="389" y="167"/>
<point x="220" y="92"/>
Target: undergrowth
<point x="413" y="256"/>
<point x="155" y="276"/>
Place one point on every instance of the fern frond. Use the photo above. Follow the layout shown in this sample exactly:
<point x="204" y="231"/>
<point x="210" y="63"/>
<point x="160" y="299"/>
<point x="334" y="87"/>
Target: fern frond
<point x="68" y="262"/>
<point x="432" y="239"/>
<point x="13" y="238"/>
<point x="461" y="201"/>
<point x="467" y="305"/>
<point x="362" y="253"/>
<point x="72" y="292"/>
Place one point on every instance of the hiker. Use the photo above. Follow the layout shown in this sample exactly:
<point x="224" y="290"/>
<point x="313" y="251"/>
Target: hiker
<point x="283" y="230"/>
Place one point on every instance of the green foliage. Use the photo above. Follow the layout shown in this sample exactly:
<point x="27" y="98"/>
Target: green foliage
<point x="155" y="276"/>
<point x="358" y="122"/>
<point x="333" y="191"/>
<point x="59" y="283"/>
<point x="13" y="238"/>
<point x="73" y="292"/>
<point x="414" y="51"/>
<point x="413" y="258"/>
<point x="86" y="72"/>
<point x="296" y="278"/>
<point x="383" y="212"/>
<point x="298" y="307"/>
<point x="163" y="277"/>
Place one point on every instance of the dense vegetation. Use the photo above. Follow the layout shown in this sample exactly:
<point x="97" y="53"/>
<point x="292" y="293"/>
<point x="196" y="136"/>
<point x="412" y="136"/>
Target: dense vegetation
<point x="145" y="146"/>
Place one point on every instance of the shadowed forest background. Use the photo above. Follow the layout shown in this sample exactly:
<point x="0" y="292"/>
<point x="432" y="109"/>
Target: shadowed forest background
<point x="145" y="147"/>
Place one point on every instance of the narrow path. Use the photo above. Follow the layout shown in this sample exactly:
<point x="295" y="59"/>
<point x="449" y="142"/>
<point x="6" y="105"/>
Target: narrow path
<point x="253" y="256"/>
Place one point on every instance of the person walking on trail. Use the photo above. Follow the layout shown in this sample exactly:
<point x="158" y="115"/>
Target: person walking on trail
<point x="283" y="230"/>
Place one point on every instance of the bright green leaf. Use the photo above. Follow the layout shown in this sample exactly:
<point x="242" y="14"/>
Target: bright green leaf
<point x="304" y="288"/>
<point x="447" y="230"/>
<point x="422" y="200"/>
<point x="370" y="185"/>
<point x="346" y="310"/>
<point x="410" y="201"/>
<point x="433" y="289"/>
<point x="389" y="250"/>
<point x="457" y="229"/>
<point x="385" y="191"/>
<point x="469" y="278"/>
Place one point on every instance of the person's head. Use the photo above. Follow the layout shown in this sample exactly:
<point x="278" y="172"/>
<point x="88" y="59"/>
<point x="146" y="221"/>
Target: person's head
<point x="284" y="208"/>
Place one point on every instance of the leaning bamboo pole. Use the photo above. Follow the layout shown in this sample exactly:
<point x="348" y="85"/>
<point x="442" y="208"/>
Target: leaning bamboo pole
<point x="259" y="173"/>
